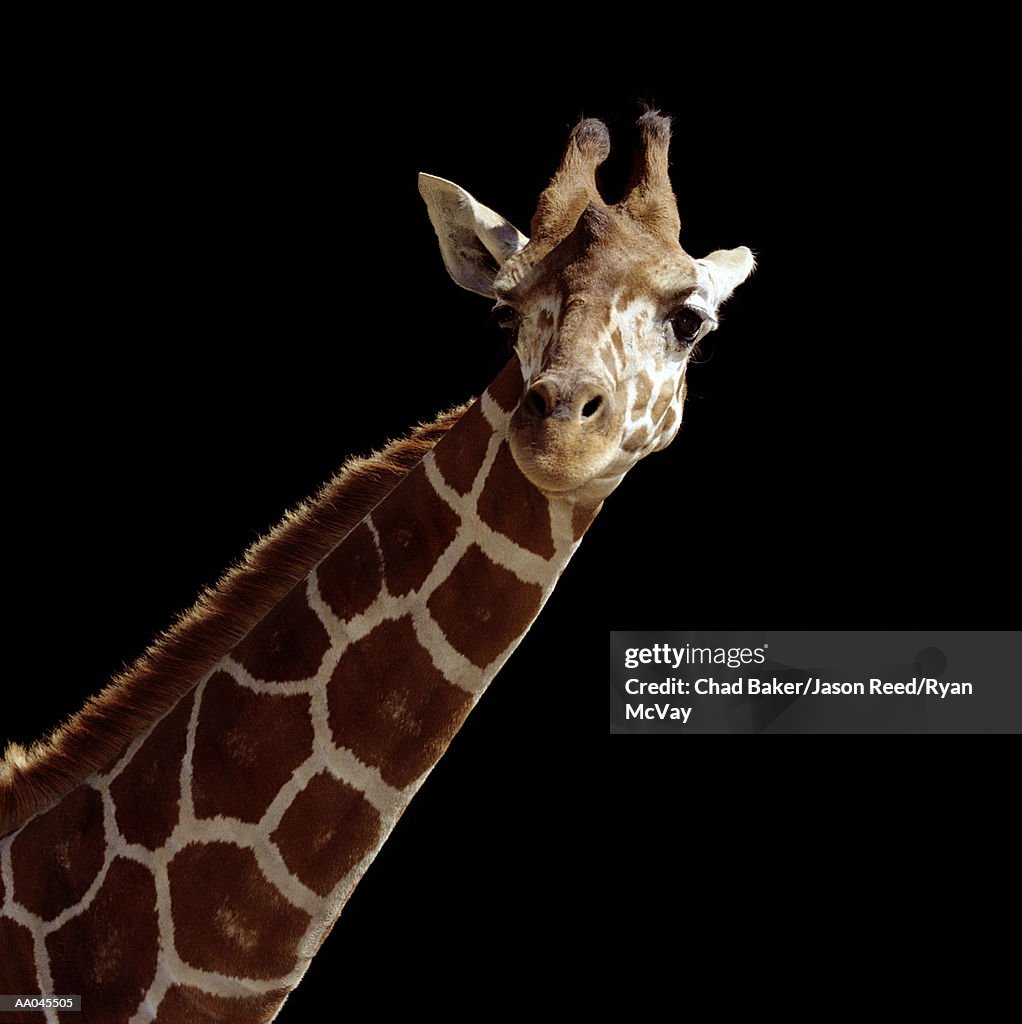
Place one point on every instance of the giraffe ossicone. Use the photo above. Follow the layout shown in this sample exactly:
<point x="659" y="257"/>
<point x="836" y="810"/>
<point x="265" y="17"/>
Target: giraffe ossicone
<point x="233" y="786"/>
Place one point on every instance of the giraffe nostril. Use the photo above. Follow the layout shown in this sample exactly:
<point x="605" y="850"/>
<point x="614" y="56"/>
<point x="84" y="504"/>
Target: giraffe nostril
<point x="538" y="403"/>
<point x="576" y="402"/>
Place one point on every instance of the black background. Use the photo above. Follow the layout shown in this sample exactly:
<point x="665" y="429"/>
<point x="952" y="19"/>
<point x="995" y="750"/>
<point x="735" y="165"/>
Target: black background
<point x="225" y="283"/>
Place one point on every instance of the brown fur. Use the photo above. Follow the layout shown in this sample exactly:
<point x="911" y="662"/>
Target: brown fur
<point x="573" y="186"/>
<point x="650" y="198"/>
<point x="94" y="737"/>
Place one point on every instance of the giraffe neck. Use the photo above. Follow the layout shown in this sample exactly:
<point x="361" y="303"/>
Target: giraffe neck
<point x="238" y="825"/>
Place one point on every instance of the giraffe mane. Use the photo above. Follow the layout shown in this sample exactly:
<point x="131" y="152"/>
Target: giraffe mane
<point x="91" y="739"/>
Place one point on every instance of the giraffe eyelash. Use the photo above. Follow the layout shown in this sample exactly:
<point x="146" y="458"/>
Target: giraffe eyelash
<point x="508" y="320"/>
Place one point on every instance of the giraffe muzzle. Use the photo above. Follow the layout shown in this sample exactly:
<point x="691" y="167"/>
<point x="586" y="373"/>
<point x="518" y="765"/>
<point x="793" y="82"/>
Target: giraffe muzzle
<point x="585" y="404"/>
<point x="563" y="432"/>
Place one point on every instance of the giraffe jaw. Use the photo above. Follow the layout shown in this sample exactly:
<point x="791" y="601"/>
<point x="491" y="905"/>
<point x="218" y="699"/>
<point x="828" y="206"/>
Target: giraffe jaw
<point x="558" y="457"/>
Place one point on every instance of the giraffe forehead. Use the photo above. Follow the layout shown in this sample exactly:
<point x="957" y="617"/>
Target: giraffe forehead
<point x="631" y="282"/>
<point x="606" y="252"/>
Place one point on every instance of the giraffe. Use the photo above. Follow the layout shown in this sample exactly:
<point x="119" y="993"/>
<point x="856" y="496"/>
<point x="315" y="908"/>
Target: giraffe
<point x="180" y="849"/>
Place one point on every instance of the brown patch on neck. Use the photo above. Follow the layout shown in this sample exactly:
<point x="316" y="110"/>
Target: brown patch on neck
<point x="287" y="645"/>
<point x="247" y="745"/>
<point x="582" y="517"/>
<point x="147" y="791"/>
<point x="223" y="615"/>
<point x="515" y="508"/>
<point x="351" y="578"/>
<point x="483" y="608"/>
<point x="507" y="389"/>
<point x="404" y="722"/>
<point x="326" y="831"/>
<point x="17" y="968"/>
<point x="58" y="856"/>
<point x="228" y="919"/>
<point x="182" y="1002"/>
<point x="461" y="458"/>
<point x="108" y="953"/>
<point x="414" y="530"/>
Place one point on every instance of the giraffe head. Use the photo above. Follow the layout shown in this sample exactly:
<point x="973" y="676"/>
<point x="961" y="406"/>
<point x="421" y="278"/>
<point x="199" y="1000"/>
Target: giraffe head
<point x="606" y="306"/>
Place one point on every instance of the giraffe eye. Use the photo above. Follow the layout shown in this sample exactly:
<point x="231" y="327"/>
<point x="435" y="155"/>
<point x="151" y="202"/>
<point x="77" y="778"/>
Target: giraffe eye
<point x="687" y="324"/>
<point x="508" y="320"/>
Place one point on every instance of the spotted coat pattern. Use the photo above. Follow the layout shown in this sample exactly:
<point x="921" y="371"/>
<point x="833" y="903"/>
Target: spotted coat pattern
<point x="237" y="826"/>
<point x="194" y="874"/>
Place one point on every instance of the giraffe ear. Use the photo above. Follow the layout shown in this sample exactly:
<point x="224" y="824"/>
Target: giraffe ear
<point x="725" y="270"/>
<point x="474" y="241"/>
